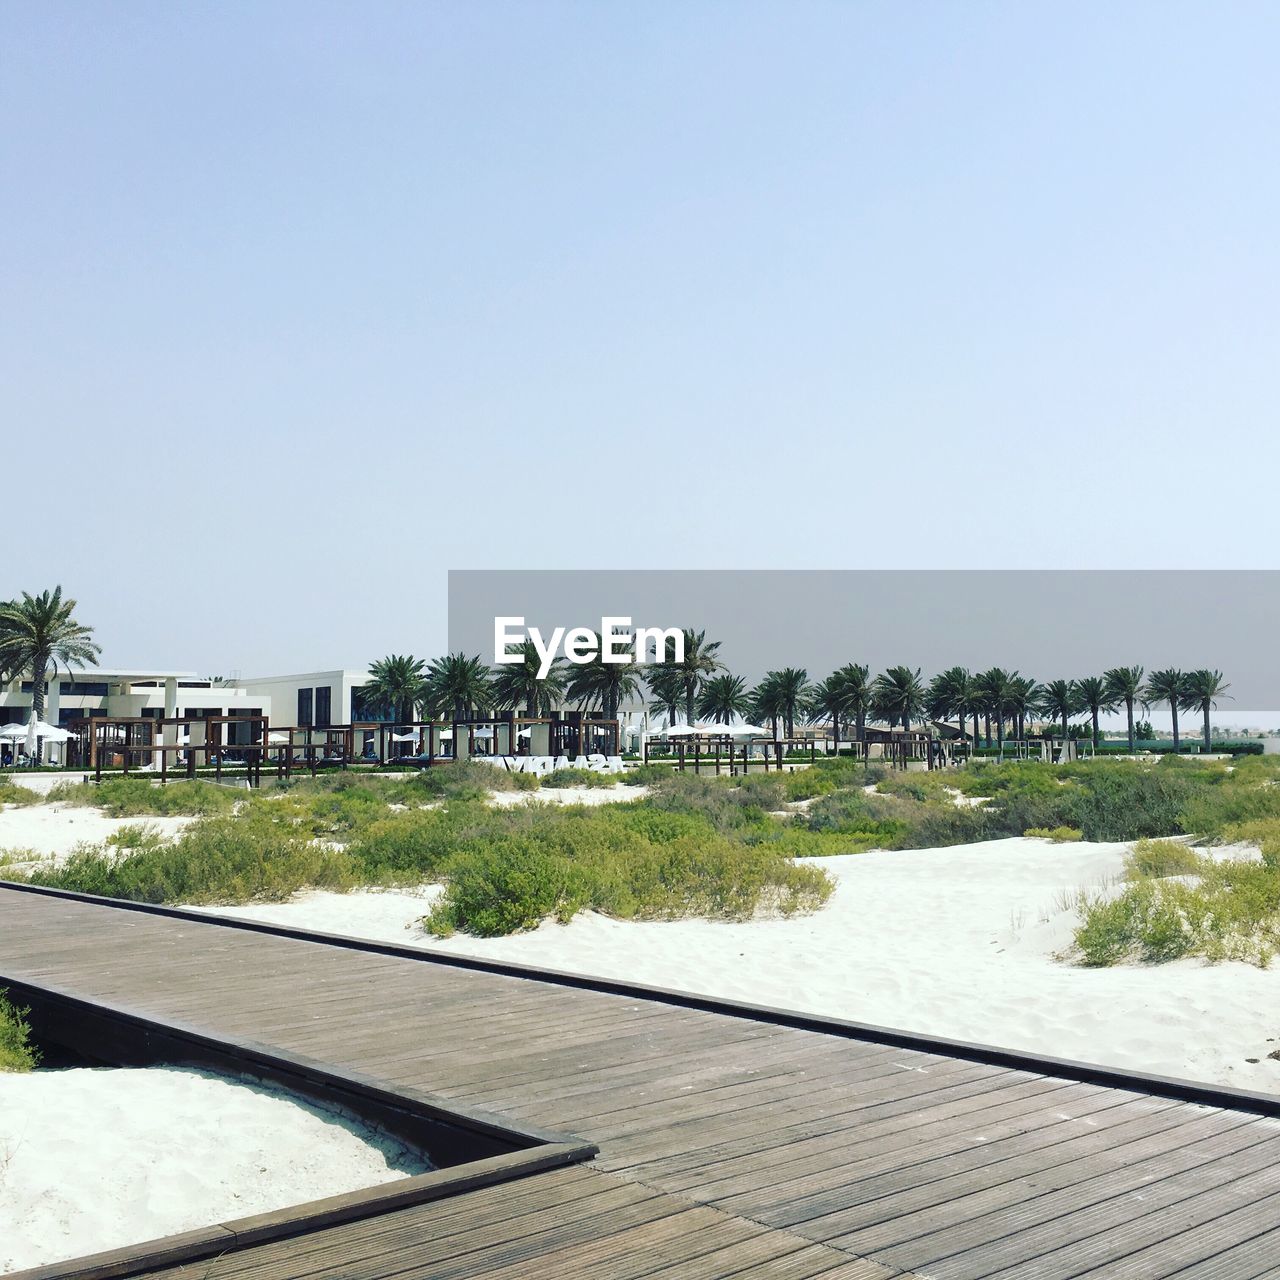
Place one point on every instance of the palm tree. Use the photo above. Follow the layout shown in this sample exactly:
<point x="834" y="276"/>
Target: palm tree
<point x="602" y="684"/>
<point x="396" y="686"/>
<point x="950" y="693"/>
<point x="1094" y="695"/>
<point x="1204" y="687"/>
<point x="991" y="688"/>
<point x="1124" y="684"/>
<point x="830" y="699"/>
<point x="784" y="694"/>
<point x="1169" y="685"/>
<point x="38" y="634"/>
<point x="898" y="694"/>
<point x="1061" y="698"/>
<point x="1022" y="696"/>
<point x="515" y="685"/>
<point x="456" y="687"/>
<point x="699" y="662"/>
<point x="667" y="687"/>
<point x="855" y="679"/>
<point x="723" y="697"/>
<point x="768" y="702"/>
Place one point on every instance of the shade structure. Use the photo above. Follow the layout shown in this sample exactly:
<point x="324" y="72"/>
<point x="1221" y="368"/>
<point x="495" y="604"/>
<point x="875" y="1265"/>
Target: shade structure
<point x="746" y="731"/>
<point x="14" y="731"/>
<point x="278" y="739"/>
<point x="404" y="737"/>
<point x="701" y="730"/>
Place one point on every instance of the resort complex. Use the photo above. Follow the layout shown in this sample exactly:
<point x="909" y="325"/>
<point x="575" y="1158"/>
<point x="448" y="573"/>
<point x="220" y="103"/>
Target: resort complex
<point x="666" y="669"/>
<point x="860" y="977"/>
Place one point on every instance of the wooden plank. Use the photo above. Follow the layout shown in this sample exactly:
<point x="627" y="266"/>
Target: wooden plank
<point x="792" y="1153"/>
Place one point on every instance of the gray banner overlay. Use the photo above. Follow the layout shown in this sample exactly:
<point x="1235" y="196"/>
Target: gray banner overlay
<point x="1046" y="624"/>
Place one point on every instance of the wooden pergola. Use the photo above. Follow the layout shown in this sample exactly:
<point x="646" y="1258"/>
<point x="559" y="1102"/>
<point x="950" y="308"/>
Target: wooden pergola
<point x="717" y="751"/>
<point x="131" y="738"/>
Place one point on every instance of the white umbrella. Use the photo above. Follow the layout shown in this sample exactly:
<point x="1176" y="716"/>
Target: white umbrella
<point x="404" y="737"/>
<point x="484" y="733"/>
<point x="747" y="731"/>
<point x="15" y="731"/>
<point x="278" y="739"/>
<point x="682" y="731"/>
<point x="524" y="733"/>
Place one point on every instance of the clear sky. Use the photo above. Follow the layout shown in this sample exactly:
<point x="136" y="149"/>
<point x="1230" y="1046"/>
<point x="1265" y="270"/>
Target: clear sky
<point x="305" y="304"/>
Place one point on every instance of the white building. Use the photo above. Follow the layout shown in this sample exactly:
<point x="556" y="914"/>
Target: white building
<point x="319" y="698"/>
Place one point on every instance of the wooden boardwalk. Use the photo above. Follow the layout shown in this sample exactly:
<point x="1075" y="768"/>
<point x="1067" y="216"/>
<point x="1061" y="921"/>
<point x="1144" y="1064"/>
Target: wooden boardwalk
<point x="728" y="1147"/>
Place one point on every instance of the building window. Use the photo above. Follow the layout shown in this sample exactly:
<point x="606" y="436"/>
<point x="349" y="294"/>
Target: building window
<point x="83" y="688"/>
<point x="304" y="707"/>
<point x="324" y="706"/>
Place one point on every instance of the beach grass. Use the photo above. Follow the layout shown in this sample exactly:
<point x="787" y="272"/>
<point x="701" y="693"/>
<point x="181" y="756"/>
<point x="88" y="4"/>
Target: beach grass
<point x="691" y="846"/>
<point x="15" y="794"/>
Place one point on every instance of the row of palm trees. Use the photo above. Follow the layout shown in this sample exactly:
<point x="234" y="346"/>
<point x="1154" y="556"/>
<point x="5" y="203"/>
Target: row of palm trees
<point x="40" y="634"/>
<point x="698" y="686"/>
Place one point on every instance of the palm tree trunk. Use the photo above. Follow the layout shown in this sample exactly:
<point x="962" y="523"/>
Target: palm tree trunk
<point x="987" y="721"/>
<point x="689" y="690"/>
<point x="975" y="728"/>
<point x="1065" y="734"/>
<point x="1133" y="742"/>
<point x="1173" y="706"/>
<point x="1208" y="746"/>
<point x="1095" y="728"/>
<point x="38" y="672"/>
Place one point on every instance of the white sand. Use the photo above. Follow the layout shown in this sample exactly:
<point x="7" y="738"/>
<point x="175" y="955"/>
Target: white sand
<point x="97" y="1159"/>
<point x="53" y="830"/>
<point x="42" y="783"/>
<point x="953" y="942"/>
<point x="569" y="795"/>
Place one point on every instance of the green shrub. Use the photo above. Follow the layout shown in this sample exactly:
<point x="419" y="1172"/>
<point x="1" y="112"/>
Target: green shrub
<point x="1127" y="801"/>
<point x="15" y="794"/>
<point x="805" y="784"/>
<point x="729" y="804"/>
<point x="401" y="848"/>
<point x="941" y="823"/>
<point x="509" y="887"/>
<point x="633" y="863"/>
<point x="1059" y="835"/>
<point x="225" y="858"/>
<point x="645" y="775"/>
<point x="792" y="840"/>
<point x="465" y="779"/>
<point x="1158" y="859"/>
<point x="122" y="797"/>
<point x="17" y="1053"/>
<point x="1231" y="912"/>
